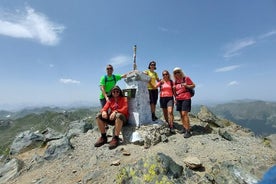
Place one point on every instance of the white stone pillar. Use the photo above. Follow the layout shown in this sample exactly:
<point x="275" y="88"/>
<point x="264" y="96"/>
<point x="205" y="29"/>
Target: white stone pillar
<point x="139" y="107"/>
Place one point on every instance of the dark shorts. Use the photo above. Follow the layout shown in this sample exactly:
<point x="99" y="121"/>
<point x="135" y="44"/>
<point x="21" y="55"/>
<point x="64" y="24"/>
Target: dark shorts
<point x="153" y="96"/>
<point x="166" y="102"/>
<point x="112" y="122"/>
<point x="184" y="105"/>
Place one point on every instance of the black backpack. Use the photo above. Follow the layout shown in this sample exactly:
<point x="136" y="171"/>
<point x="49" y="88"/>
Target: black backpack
<point x="191" y="91"/>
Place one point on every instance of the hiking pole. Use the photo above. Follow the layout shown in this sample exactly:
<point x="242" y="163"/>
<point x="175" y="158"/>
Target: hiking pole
<point x="134" y="58"/>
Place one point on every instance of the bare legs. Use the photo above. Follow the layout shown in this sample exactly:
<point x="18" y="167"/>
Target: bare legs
<point x="186" y="123"/>
<point x="118" y="126"/>
<point x="168" y="115"/>
<point x="185" y="120"/>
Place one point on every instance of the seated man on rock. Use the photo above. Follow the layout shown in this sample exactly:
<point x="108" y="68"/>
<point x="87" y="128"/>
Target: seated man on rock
<point x="115" y="112"/>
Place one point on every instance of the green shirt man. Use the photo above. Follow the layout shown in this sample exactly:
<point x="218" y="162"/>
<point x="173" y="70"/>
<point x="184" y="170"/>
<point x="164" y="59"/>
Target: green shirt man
<point x="107" y="82"/>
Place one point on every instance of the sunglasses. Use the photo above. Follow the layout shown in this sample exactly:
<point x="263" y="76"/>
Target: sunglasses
<point x="109" y="68"/>
<point x="116" y="91"/>
<point x="176" y="72"/>
<point x="164" y="74"/>
<point x="152" y="64"/>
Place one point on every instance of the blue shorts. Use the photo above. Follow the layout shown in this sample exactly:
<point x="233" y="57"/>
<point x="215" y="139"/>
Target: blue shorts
<point x="166" y="102"/>
<point x="184" y="105"/>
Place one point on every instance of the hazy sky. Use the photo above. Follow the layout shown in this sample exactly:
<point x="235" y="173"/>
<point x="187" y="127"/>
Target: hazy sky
<point x="54" y="52"/>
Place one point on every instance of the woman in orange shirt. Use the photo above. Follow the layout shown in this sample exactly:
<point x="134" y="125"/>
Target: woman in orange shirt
<point x="114" y="112"/>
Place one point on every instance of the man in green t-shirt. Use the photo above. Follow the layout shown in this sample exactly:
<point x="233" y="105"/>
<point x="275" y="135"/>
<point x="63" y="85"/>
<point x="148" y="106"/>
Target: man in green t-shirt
<point x="107" y="82"/>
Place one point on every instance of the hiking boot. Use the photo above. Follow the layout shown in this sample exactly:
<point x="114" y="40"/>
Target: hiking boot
<point x="101" y="141"/>
<point x="182" y="131"/>
<point x="153" y="117"/>
<point x="113" y="143"/>
<point x="187" y="134"/>
<point x="172" y="130"/>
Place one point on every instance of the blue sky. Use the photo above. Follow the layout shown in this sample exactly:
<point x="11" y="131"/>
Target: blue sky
<point x="54" y="52"/>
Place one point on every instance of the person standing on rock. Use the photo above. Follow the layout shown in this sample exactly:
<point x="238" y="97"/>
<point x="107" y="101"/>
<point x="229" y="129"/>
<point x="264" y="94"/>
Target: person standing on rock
<point x="115" y="113"/>
<point x="183" y="98"/>
<point x="153" y="91"/>
<point x="107" y="82"/>
<point x="167" y="98"/>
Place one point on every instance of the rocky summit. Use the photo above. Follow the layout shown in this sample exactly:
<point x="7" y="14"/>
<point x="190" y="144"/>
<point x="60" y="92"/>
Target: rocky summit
<point x="219" y="151"/>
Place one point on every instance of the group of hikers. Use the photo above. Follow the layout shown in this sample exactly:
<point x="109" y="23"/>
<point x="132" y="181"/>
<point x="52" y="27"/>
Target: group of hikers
<point x="114" y="105"/>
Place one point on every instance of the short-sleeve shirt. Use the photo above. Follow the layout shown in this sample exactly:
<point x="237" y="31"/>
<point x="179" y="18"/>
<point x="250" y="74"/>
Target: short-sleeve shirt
<point x="109" y="83"/>
<point x="120" y="106"/>
<point x="165" y="88"/>
<point x="181" y="92"/>
<point x="153" y="78"/>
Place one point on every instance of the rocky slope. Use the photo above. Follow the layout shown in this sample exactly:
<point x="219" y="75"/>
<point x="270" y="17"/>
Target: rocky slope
<point x="218" y="152"/>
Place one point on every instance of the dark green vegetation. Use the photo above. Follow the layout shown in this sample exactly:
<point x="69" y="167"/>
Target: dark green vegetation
<point x="259" y="116"/>
<point x="39" y="119"/>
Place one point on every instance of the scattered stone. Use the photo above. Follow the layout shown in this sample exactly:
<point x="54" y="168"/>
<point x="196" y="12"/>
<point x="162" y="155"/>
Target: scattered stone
<point x="115" y="163"/>
<point x="225" y="135"/>
<point x="125" y="152"/>
<point x="192" y="162"/>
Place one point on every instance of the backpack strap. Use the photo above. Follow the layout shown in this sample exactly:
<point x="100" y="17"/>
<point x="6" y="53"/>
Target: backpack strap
<point x="113" y="76"/>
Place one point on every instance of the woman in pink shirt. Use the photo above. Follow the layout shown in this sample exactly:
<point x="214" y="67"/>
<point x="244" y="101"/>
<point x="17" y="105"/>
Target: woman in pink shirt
<point x="183" y="98"/>
<point x="166" y="98"/>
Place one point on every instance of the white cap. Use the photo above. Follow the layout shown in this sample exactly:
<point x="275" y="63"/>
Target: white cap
<point x="176" y="69"/>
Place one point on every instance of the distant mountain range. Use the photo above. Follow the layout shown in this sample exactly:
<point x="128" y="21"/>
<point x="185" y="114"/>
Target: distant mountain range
<point x="259" y="116"/>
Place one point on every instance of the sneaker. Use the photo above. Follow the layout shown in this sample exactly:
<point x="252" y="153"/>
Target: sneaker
<point x="113" y="143"/>
<point x="187" y="134"/>
<point x="101" y="141"/>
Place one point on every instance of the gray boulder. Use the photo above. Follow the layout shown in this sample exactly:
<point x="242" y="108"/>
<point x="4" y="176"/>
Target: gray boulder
<point x="50" y="134"/>
<point x="158" y="168"/>
<point x="78" y="127"/>
<point x="10" y="170"/>
<point x="57" y="147"/>
<point x="25" y="141"/>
